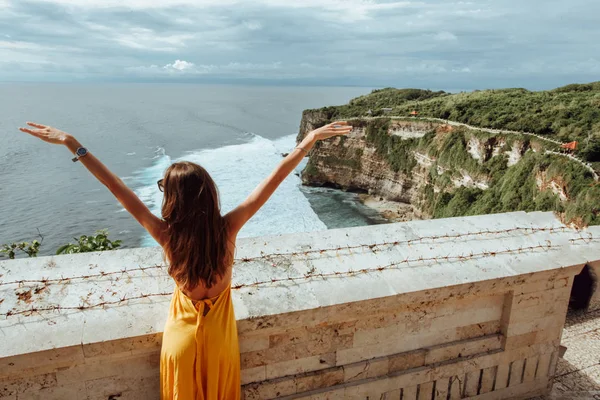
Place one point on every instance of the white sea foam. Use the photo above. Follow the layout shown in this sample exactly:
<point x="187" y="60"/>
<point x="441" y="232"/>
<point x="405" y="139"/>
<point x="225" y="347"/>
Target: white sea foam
<point x="237" y="170"/>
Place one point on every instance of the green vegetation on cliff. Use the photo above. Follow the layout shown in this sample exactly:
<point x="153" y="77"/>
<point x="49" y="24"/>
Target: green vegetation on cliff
<point x="398" y="152"/>
<point x="537" y="182"/>
<point x="529" y="185"/>
<point x="568" y="113"/>
<point x="518" y="189"/>
<point x="457" y="183"/>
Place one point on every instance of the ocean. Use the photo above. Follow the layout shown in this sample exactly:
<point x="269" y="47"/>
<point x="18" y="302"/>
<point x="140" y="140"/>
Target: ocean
<point x="238" y="133"/>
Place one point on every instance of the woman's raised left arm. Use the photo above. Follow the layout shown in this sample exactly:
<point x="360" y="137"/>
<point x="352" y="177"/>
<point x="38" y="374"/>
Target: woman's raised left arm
<point x="154" y="225"/>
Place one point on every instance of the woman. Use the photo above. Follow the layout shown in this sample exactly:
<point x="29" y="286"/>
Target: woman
<point x="200" y="355"/>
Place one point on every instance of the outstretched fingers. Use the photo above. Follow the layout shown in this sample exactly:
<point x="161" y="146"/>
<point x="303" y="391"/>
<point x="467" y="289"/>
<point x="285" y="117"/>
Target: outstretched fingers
<point x="40" y="126"/>
<point x="337" y="124"/>
<point x="342" y="129"/>
<point x="31" y="132"/>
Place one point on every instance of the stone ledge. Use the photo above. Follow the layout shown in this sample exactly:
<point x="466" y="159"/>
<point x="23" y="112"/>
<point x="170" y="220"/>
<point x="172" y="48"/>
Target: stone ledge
<point x="439" y="322"/>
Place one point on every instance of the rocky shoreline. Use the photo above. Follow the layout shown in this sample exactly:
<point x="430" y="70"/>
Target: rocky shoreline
<point x="392" y="211"/>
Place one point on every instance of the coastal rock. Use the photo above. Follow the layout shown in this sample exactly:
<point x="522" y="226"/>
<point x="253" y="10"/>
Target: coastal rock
<point x="451" y="155"/>
<point x="438" y="161"/>
<point x="350" y="163"/>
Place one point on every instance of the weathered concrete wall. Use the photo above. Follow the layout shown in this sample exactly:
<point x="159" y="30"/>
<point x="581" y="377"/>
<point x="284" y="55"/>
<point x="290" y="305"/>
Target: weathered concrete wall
<point x="470" y="307"/>
<point x="497" y="338"/>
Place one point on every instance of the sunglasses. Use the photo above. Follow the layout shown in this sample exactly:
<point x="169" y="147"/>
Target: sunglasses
<point x="160" y="185"/>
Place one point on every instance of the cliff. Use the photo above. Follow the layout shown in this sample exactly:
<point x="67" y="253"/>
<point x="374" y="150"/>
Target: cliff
<point x="569" y="113"/>
<point x="352" y="163"/>
<point x="447" y="171"/>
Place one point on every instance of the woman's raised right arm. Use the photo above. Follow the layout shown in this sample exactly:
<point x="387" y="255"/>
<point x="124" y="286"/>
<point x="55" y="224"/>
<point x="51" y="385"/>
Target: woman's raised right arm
<point x="154" y="225"/>
<point x="238" y="217"/>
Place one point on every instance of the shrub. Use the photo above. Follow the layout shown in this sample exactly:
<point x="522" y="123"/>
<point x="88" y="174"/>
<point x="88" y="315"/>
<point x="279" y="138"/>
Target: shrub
<point x="86" y="244"/>
<point x="31" y="249"/>
<point x="591" y="152"/>
<point x="397" y="151"/>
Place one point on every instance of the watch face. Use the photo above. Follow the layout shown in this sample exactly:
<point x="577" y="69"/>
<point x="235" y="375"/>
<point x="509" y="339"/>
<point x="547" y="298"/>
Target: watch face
<point x="81" y="152"/>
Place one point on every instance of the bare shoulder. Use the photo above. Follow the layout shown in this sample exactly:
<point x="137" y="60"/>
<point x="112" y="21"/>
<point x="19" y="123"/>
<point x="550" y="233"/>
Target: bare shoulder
<point x="234" y="223"/>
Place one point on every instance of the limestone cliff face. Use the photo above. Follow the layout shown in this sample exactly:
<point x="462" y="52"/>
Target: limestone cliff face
<point x="350" y="163"/>
<point x="311" y="119"/>
<point x="465" y="154"/>
<point x="353" y="162"/>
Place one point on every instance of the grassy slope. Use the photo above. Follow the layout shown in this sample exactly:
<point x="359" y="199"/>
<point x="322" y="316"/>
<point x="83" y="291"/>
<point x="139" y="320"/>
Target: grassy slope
<point x="568" y="113"/>
<point x="511" y="188"/>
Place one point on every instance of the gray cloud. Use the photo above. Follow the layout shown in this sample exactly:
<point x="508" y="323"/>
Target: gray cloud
<point x="436" y="44"/>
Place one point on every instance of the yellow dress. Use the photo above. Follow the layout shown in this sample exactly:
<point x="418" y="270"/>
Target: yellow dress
<point x="200" y="357"/>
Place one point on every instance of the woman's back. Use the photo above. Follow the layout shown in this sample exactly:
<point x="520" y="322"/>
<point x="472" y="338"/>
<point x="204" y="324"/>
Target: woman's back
<point x="201" y="292"/>
<point x="200" y="356"/>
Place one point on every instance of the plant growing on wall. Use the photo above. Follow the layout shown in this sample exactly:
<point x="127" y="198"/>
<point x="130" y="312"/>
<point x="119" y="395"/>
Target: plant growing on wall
<point x="10" y="250"/>
<point x="30" y="248"/>
<point x="85" y="244"/>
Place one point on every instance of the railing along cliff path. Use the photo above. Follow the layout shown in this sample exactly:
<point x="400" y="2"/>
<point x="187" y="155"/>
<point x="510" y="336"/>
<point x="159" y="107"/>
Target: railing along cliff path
<point x="491" y="131"/>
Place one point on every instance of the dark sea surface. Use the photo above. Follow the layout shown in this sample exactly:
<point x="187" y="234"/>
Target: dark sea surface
<point x="237" y="132"/>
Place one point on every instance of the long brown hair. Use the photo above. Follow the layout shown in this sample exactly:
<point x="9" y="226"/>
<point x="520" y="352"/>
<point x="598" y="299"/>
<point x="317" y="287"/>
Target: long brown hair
<point x="196" y="245"/>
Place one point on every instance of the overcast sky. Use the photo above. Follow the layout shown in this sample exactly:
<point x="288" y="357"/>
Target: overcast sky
<point x="428" y="44"/>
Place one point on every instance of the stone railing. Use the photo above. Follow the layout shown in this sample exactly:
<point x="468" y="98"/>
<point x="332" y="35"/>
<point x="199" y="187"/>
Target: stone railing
<point x="455" y="308"/>
<point x="584" y="164"/>
<point x="455" y="123"/>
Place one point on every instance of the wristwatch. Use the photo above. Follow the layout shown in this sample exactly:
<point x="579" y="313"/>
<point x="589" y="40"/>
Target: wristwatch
<point x="81" y="152"/>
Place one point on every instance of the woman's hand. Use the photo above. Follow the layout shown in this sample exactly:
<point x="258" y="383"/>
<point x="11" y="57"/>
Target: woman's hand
<point x="47" y="133"/>
<point x="333" y="129"/>
<point x="124" y="195"/>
